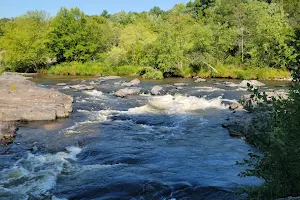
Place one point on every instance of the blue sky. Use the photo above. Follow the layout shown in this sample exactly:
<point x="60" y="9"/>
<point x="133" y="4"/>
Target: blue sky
<point x="14" y="8"/>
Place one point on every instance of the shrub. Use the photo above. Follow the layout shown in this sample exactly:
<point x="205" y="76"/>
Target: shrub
<point x="150" y="73"/>
<point x="277" y="137"/>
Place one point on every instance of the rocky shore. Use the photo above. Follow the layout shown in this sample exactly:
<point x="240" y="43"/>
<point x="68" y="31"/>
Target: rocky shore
<point x="22" y="100"/>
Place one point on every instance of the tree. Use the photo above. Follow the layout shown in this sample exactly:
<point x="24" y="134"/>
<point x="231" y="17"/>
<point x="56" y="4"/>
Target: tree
<point x="24" y="40"/>
<point x="76" y="37"/>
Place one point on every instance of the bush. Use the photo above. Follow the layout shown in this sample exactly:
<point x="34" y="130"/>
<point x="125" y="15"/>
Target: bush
<point x="150" y="73"/>
<point x="126" y="70"/>
<point x="277" y="137"/>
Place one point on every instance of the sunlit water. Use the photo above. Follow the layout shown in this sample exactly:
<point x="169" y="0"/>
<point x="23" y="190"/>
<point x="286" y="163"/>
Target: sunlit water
<point x="140" y="147"/>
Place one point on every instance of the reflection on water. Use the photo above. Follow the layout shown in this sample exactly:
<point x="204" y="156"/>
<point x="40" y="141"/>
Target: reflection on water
<point x="139" y="147"/>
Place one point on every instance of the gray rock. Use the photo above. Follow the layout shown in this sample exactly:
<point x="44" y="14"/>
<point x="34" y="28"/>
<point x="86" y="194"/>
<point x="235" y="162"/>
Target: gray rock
<point x="179" y="88"/>
<point x="128" y="91"/>
<point x="180" y="84"/>
<point x="156" y="90"/>
<point x="7" y="132"/>
<point x="236" y="106"/>
<point x="23" y="100"/>
<point x="255" y="83"/>
<point x="199" y="80"/>
<point x="82" y="87"/>
<point x="133" y="83"/>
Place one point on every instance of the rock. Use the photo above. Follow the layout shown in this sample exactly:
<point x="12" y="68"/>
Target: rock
<point x="20" y="74"/>
<point x="7" y="132"/>
<point x="179" y="88"/>
<point x="235" y="106"/>
<point x="199" y="80"/>
<point x="117" y="83"/>
<point x="61" y="84"/>
<point x="82" y="87"/>
<point x="23" y="100"/>
<point x="255" y="83"/>
<point x="104" y="78"/>
<point x="180" y="84"/>
<point x="127" y="91"/>
<point x="156" y="90"/>
<point x="234" y="133"/>
<point x="244" y="84"/>
<point x="134" y="82"/>
<point x="246" y="99"/>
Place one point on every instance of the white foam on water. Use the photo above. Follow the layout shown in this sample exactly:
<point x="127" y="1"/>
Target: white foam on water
<point x="177" y="104"/>
<point x="93" y="117"/>
<point x="208" y="89"/>
<point x="94" y="93"/>
<point x="35" y="175"/>
<point x="241" y="89"/>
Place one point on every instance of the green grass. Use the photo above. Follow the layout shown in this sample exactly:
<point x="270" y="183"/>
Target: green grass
<point x="1" y="70"/>
<point x="233" y="72"/>
<point x="91" y="69"/>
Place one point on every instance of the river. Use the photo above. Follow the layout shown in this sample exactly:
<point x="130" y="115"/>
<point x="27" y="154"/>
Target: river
<point x="169" y="147"/>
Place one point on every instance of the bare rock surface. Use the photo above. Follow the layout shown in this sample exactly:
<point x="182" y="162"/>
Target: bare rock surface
<point x="23" y="100"/>
<point x="7" y="132"/>
<point x="128" y="91"/>
<point x="245" y="83"/>
<point x="180" y="84"/>
<point x="133" y="83"/>
<point x="157" y="90"/>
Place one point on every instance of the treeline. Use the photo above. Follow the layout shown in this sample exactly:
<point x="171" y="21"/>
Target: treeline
<point x="188" y="38"/>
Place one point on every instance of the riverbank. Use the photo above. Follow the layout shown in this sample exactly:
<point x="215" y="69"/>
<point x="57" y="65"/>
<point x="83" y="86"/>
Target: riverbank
<point x="222" y="71"/>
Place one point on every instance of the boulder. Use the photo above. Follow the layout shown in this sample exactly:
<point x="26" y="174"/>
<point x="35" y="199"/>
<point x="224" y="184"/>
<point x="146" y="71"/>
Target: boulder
<point x="236" y="106"/>
<point x="180" y="84"/>
<point x="199" y="80"/>
<point x="128" y="91"/>
<point x="7" y="132"/>
<point x="156" y="90"/>
<point x="23" y="100"/>
<point x="133" y="83"/>
<point x="255" y="83"/>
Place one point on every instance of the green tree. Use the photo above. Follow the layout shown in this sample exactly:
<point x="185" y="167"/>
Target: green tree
<point x="24" y="40"/>
<point x="76" y="37"/>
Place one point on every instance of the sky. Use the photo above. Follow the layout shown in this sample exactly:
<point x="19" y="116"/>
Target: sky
<point x="14" y="8"/>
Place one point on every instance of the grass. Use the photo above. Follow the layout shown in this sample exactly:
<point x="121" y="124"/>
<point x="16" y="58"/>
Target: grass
<point x="91" y="69"/>
<point x="232" y="72"/>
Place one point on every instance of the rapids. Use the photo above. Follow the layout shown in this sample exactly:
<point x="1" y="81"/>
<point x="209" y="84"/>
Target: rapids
<point x="140" y="147"/>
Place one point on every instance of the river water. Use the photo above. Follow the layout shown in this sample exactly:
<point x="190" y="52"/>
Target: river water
<point x="142" y="147"/>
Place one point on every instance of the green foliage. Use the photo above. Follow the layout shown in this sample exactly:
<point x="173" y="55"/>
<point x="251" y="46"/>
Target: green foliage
<point x="275" y="134"/>
<point x="150" y="73"/>
<point x="76" y="37"/>
<point x="179" y="42"/>
<point x="23" y="42"/>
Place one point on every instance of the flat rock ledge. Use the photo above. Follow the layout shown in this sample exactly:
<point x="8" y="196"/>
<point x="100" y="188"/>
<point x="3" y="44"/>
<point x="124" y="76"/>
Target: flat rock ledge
<point x="23" y="100"/>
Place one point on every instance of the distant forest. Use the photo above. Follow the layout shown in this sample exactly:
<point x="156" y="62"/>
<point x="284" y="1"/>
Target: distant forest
<point x="199" y="34"/>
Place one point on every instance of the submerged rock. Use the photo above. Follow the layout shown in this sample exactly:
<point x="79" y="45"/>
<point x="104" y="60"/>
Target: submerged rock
<point x="199" y="80"/>
<point x="156" y="90"/>
<point x="134" y="82"/>
<point x="23" y="100"/>
<point x="127" y="91"/>
<point x="236" y="106"/>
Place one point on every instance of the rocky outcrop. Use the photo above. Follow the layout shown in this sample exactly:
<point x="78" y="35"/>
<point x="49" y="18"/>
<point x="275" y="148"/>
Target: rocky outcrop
<point x="156" y="90"/>
<point x="105" y="78"/>
<point x="133" y="83"/>
<point x="127" y="91"/>
<point x="23" y="100"/>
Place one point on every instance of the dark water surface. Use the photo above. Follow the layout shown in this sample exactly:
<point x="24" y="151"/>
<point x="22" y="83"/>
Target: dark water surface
<point x="139" y="147"/>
